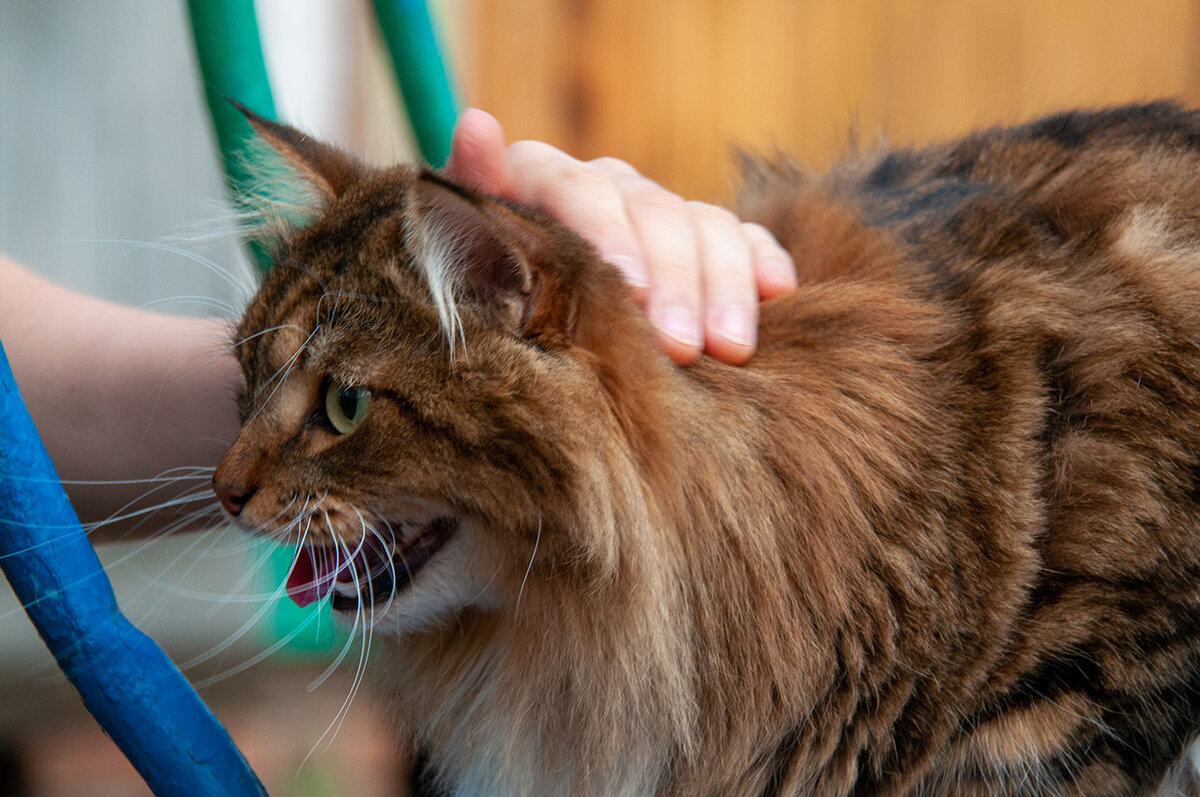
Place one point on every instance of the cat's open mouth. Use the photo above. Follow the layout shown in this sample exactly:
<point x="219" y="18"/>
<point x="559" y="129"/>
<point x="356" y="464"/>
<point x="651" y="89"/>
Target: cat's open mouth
<point x="378" y="569"/>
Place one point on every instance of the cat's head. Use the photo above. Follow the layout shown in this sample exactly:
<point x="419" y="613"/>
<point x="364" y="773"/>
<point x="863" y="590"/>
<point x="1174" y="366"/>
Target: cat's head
<point x="427" y="408"/>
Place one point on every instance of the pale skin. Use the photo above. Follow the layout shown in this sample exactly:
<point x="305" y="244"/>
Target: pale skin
<point x="120" y="393"/>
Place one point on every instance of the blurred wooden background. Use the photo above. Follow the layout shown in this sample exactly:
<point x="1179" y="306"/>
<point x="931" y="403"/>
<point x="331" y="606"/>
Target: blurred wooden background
<point x="670" y="85"/>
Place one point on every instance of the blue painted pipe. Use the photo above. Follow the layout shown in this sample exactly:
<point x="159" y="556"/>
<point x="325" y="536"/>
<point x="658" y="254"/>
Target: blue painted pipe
<point x="126" y="681"/>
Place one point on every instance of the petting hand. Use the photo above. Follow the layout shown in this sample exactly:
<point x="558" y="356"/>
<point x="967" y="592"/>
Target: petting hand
<point x="699" y="270"/>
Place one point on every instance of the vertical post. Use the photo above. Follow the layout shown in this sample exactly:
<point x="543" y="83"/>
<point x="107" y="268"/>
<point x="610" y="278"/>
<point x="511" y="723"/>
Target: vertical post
<point x="230" y="54"/>
<point x="421" y="73"/>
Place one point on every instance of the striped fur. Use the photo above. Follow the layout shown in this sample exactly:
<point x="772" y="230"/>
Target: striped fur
<point x="941" y="536"/>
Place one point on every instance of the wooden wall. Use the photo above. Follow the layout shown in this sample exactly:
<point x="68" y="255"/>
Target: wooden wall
<point x="670" y="84"/>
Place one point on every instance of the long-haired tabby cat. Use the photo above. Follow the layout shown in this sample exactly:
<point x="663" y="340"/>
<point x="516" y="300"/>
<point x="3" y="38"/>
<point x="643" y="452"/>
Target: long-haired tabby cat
<point x="941" y="536"/>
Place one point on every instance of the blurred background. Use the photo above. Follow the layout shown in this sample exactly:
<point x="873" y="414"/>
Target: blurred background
<point x="110" y="182"/>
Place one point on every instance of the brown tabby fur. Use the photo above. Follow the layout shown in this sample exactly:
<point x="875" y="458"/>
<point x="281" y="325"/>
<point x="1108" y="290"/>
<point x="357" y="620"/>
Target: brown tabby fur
<point x="941" y="536"/>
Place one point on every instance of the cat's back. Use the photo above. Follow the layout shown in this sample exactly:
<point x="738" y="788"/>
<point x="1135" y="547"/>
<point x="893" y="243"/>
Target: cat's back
<point x="1044" y="282"/>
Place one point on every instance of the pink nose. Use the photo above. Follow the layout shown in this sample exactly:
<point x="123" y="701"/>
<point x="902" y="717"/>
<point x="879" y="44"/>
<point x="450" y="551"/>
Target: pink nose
<point x="232" y="497"/>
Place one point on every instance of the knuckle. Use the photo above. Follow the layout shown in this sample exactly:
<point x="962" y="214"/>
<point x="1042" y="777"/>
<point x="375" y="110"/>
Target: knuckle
<point x="758" y="234"/>
<point x="762" y="238"/>
<point x="651" y="197"/>
<point x="528" y="150"/>
<point x="707" y="213"/>
<point x="612" y="165"/>
<point x="573" y="182"/>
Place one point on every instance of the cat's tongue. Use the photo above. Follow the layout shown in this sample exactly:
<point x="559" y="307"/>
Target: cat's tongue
<point x="312" y="575"/>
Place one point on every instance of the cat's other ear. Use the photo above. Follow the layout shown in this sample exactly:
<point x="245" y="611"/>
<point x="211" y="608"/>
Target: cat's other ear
<point x="481" y="248"/>
<point x="328" y="168"/>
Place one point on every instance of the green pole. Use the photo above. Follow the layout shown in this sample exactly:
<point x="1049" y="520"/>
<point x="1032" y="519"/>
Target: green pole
<point x="421" y="72"/>
<point x="231" y="63"/>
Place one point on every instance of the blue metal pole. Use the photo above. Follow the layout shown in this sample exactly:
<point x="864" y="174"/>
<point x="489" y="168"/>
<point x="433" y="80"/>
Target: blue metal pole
<point x="126" y="681"/>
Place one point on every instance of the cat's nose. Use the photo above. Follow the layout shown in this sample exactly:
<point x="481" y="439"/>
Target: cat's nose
<point x="232" y="497"/>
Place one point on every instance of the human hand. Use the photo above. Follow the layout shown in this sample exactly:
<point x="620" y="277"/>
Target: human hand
<point x="697" y="268"/>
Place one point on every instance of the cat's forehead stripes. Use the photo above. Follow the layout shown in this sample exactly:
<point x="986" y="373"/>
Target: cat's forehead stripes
<point x="276" y="386"/>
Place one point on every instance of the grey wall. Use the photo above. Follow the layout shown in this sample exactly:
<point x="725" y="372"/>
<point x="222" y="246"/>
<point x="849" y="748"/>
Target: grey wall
<point x="104" y="138"/>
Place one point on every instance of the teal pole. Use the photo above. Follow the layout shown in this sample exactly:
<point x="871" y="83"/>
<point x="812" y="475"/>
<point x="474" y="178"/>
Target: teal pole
<point x="421" y="73"/>
<point x="232" y="66"/>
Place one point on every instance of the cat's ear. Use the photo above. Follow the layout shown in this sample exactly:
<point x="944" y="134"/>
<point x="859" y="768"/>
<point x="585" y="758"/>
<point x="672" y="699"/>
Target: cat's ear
<point x="476" y="246"/>
<point x="328" y="168"/>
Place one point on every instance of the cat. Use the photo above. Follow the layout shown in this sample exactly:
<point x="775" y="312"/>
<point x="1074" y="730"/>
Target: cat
<point x="940" y="536"/>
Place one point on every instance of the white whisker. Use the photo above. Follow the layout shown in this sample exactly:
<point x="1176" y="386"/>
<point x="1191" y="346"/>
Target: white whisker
<point x="528" y="568"/>
<point x="281" y="374"/>
<point x="244" y="287"/>
<point x="262" y="332"/>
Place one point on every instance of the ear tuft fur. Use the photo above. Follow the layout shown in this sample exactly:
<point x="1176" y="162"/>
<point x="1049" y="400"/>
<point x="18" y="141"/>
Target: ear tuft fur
<point x="474" y="246"/>
<point x="328" y="168"/>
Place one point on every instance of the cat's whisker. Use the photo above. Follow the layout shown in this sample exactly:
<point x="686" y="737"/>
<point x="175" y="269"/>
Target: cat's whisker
<point x="528" y="568"/>
<point x="51" y="594"/>
<point x="151" y="581"/>
<point x="364" y="297"/>
<point x="281" y="374"/>
<point x="263" y="528"/>
<point x="257" y="658"/>
<point x="310" y="513"/>
<point x="397" y="553"/>
<point x="189" y="472"/>
<point x="337" y="300"/>
<point x="483" y="590"/>
<point x="244" y="340"/>
<point x="391" y="550"/>
<point x="69" y="530"/>
<point x="192" y="300"/>
<point x="242" y="284"/>
<point x="121" y="515"/>
<point x="340" y="562"/>
<point x="188" y="521"/>
<point x="295" y="265"/>
<point x="303" y="523"/>
<point x="251" y="559"/>
<point x="234" y="637"/>
<point x="339" y="718"/>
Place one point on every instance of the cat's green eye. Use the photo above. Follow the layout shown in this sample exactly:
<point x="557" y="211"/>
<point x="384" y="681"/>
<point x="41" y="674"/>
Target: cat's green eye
<point x="345" y="405"/>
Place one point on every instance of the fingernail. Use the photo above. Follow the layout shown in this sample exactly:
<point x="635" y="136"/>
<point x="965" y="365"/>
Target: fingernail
<point x="680" y="323"/>
<point x="632" y="268"/>
<point x="736" y="325"/>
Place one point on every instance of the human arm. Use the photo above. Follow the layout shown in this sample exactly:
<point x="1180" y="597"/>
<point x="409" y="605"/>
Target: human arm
<point x="118" y="393"/>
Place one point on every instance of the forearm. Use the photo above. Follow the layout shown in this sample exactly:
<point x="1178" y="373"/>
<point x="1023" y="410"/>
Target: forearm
<point x="117" y="393"/>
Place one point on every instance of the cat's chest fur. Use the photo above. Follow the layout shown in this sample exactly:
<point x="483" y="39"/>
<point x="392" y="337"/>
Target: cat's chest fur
<point x="941" y="536"/>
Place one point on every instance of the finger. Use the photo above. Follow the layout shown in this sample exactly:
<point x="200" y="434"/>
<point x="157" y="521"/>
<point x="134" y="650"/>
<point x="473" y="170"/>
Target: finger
<point x="730" y="293"/>
<point x="615" y="168"/>
<point x="774" y="270"/>
<point x="477" y="152"/>
<point x="664" y="229"/>
<point x="582" y="197"/>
